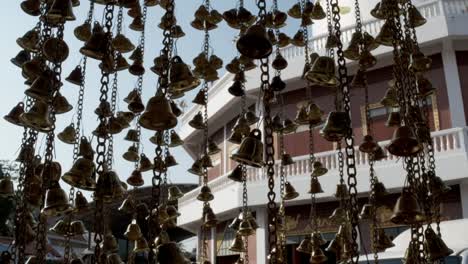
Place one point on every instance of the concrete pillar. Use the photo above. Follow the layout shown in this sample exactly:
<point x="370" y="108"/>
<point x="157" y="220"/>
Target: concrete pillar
<point x="262" y="235"/>
<point x="225" y="150"/>
<point x="213" y="246"/>
<point x="454" y="90"/>
<point x="464" y="198"/>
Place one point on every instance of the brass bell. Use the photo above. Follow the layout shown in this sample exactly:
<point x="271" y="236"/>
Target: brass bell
<point x="14" y="115"/>
<point x="60" y="11"/>
<point x="415" y="19"/>
<point x="174" y="193"/>
<point x="31" y="7"/>
<point x="420" y="63"/>
<point x="132" y="136"/>
<point x="135" y="179"/>
<point x="209" y="219"/>
<point x="368" y="144"/>
<point x="81" y="175"/>
<point x="158" y="114"/>
<point x="196" y="168"/>
<point x="245" y="228"/>
<point x="437" y="186"/>
<point x="366" y="212"/>
<point x="369" y="42"/>
<point x="136" y="105"/>
<point x="85" y="149"/>
<point x="56" y="201"/>
<point x="307" y="8"/>
<point x="317" y="239"/>
<point x="341" y="191"/>
<point x="169" y="253"/>
<point x="141" y="245"/>
<point x="336" y="127"/>
<point x="379" y="154"/>
<point x="42" y="87"/>
<point x="55" y="50"/>
<point x="435" y="247"/>
<point x="127" y="205"/>
<point x="51" y="170"/>
<point x="83" y="32"/>
<point x="322" y="72"/>
<point x="302" y="116"/>
<point x="286" y="159"/>
<point x="367" y="60"/>
<point x="317" y="12"/>
<point x="80" y="203"/>
<point x="68" y="135"/>
<point x="37" y="117"/>
<point x="283" y="40"/>
<point x="238" y="244"/>
<point x="407" y="210"/>
<point x="158" y="138"/>
<point x="279" y="63"/>
<point x="77" y="228"/>
<point x="314" y="114"/>
<point x="290" y="192"/>
<point x="137" y="68"/>
<point x="317" y="256"/>
<point x="277" y="124"/>
<point x="109" y="244"/>
<point x="177" y="32"/>
<point x="295" y="11"/>
<point x="6" y="187"/>
<point x="205" y="194"/>
<point x="236" y="174"/>
<point x="254" y="43"/>
<point x="121" y="63"/>
<point x="175" y="109"/>
<point x="289" y="126"/>
<point x="96" y="46"/>
<point x="197" y="121"/>
<point x="162" y="238"/>
<point x="199" y="98"/>
<point x="109" y="187"/>
<point x="425" y="87"/>
<point x="305" y="246"/>
<point x="233" y="66"/>
<point x="315" y="186"/>
<point x="29" y="41"/>
<point x="145" y="163"/>
<point x="279" y="19"/>
<point x="137" y="24"/>
<point x="390" y="98"/>
<point x="332" y="42"/>
<point x="298" y="39"/>
<point x="61" y="104"/>
<point x="251" y="150"/>
<point x="352" y="52"/>
<point x="122" y="44"/>
<point x="251" y="117"/>
<point x="61" y="228"/>
<point x="319" y="169"/>
<point x="170" y="161"/>
<point x="21" y="58"/>
<point x="394" y="119"/>
<point x="76" y="76"/>
<point x="383" y="241"/>
<point x="103" y="109"/>
<point x="101" y="131"/>
<point x="175" y="140"/>
<point x="404" y="143"/>
<point x="236" y="89"/>
<point x="26" y="154"/>
<point x="385" y="36"/>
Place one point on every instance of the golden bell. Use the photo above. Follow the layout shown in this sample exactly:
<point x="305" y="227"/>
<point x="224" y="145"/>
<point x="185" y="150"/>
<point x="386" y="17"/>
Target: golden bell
<point x="286" y="159"/>
<point x="21" y="58"/>
<point x="158" y="114"/>
<point x="137" y="24"/>
<point x="56" y="201"/>
<point x="29" y="41"/>
<point x="251" y="117"/>
<point x="85" y="149"/>
<point x="289" y="192"/>
<point x="197" y="121"/>
<point x="407" y="210"/>
<point x="77" y="228"/>
<point x="14" y="115"/>
<point x="437" y="186"/>
<point x="279" y="63"/>
<point x="279" y="19"/>
<point x="80" y="203"/>
<point x="37" y="117"/>
<point x="295" y="11"/>
<point x="135" y="179"/>
<point x="50" y="170"/>
<point x="322" y="72"/>
<point x="83" y="32"/>
<point x="314" y="114"/>
<point x="61" y="104"/>
<point x="158" y="138"/>
<point x="199" y="98"/>
<point x="196" y="168"/>
<point x="233" y="66"/>
<point x="307" y="8"/>
<point x="390" y="98"/>
<point x="277" y="124"/>
<point x="31" y="7"/>
<point x="97" y="44"/>
<point x="174" y="193"/>
<point x="302" y="117"/>
<point x="137" y="68"/>
<point x="379" y="154"/>
<point x="60" y="11"/>
<point x="435" y="247"/>
<point x="317" y="12"/>
<point x="315" y="186"/>
<point x="76" y="76"/>
<point x="136" y="105"/>
<point x="298" y="39"/>
<point x="113" y="258"/>
<point x="289" y="126"/>
<point x="245" y="228"/>
<point x="170" y="161"/>
<point x="42" y="87"/>
<point x="55" y="50"/>
<point x="6" y="187"/>
<point x="26" y="154"/>
<point x="177" y="32"/>
<point x="236" y="174"/>
<point x="317" y="239"/>
<point x="109" y="187"/>
<point x="169" y="253"/>
<point x="332" y="42"/>
<point x="277" y="84"/>
<point x="366" y="212"/>
<point x="341" y="191"/>
<point x="122" y="44"/>
<point x="254" y="43"/>
<point x="68" y="135"/>
<point x="145" y="163"/>
<point x="209" y="219"/>
<point x="121" y="63"/>
<point x="101" y="131"/>
<point x="383" y="241"/>
<point x="394" y="119"/>
<point x="319" y="169"/>
<point x="162" y="238"/>
<point x="368" y="144"/>
<point x="415" y="19"/>
<point x="132" y="136"/>
<point x="385" y="36"/>
<point x="283" y="40"/>
<point x="305" y="246"/>
<point x="317" y="256"/>
<point x="238" y="244"/>
<point x="109" y="244"/>
<point x="159" y="165"/>
<point x="352" y="52"/>
<point x="81" y="175"/>
<point x="336" y="126"/>
<point x="419" y="62"/>
<point x="212" y="147"/>
<point x="251" y="150"/>
<point x="205" y="194"/>
<point x="425" y="87"/>
<point x="127" y="205"/>
<point x="367" y="60"/>
<point x="61" y="228"/>
<point x="141" y="245"/>
<point x="404" y="143"/>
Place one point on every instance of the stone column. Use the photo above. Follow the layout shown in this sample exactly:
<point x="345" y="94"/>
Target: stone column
<point x="262" y="235"/>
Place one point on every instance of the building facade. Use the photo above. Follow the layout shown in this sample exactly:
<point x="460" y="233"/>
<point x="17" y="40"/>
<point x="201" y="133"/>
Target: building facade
<point x="444" y="38"/>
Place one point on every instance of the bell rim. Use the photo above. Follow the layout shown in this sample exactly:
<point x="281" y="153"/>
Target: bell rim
<point x="25" y="119"/>
<point x="239" y="158"/>
<point x="68" y="178"/>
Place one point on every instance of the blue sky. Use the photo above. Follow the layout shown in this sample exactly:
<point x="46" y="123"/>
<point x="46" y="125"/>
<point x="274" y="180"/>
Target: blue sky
<point x="14" y="23"/>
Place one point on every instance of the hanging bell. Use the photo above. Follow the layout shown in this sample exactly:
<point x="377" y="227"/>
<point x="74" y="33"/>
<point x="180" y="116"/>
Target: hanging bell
<point x="122" y="44"/>
<point x="238" y="244"/>
<point x="68" y="135"/>
<point x="419" y="62"/>
<point x="289" y="126"/>
<point x="317" y="256"/>
<point x="359" y="79"/>
<point x="283" y="40"/>
<point x="61" y="228"/>
<point x="245" y="228"/>
<point x="83" y="32"/>
<point x="385" y="36"/>
<point x="319" y="169"/>
<point x="205" y="194"/>
<point x="415" y="19"/>
<point x="367" y="60"/>
<point x="31" y="7"/>
<point x="317" y="239"/>
<point x="175" y="140"/>
<point x="174" y="193"/>
<point x="60" y="11"/>
<point x="80" y="203"/>
<point x="251" y="117"/>
<point x="197" y="121"/>
<point x="295" y="11"/>
<point x="394" y="119"/>
<point x="254" y="43"/>
<point x="383" y="241"/>
<point x="336" y="126"/>
<point x="277" y="85"/>
<point x="77" y="228"/>
<point x="158" y="114"/>
<point x="209" y="219"/>
<point x="407" y="210"/>
<point x="131" y="154"/>
<point x="136" y="104"/>
<point x="21" y="58"/>
<point x="366" y="212"/>
<point x="390" y="98"/>
<point x="6" y="187"/>
<point x="233" y="66"/>
<point x="127" y="205"/>
<point x="298" y="39"/>
<point x="158" y="138"/>
<point x="29" y="41"/>
<point x="136" y="179"/>
<point x="305" y="246"/>
<point x="42" y="87"/>
<point x="132" y="136"/>
<point x="279" y="63"/>
<point x="200" y="98"/>
<point x="133" y="231"/>
<point x="352" y="52"/>
<point x="76" y="76"/>
<point x="196" y="168"/>
<point x="332" y="42"/>
<point x="322" y="72"/>
<point x="277" y="124"/>
<point x="14" y="115"/>
<point x="96" y="46"/>
<point x="61" y="104"/>
<point x="81" y="175"/>
<point x="170" y="161"/>
<point x="286" y="159"/>
<point x="251" y="150"/>
<point x="368" y="144"/>
<point x="435" y="247"/>
<point x="317" y="12"/>
<point x="169" y="253"/>
<point x="437" y="186"/>
<point x="236" y="174"/>
<point x="137" y="68"/>
<point x="55" y="50"/>
<point x="109" y="244"/>
<point x="425" y="87"/>
<point x="315" y="186"/>
<point x="379" y="154"/>
<point x="290" y="192"/>
<point x="141" y="245"/>
<point x="37" y="117"/>
<point x="302" y="116"/>
<point x="145" y="163"/>
<point x="236" y="89"/>
<point x="175" y="109"/>
<point x="404" y="143"/>
<point x="341" y="191"/>
<point x="56" y="201"/>
<point x="212" y="147"/>
<point x="314" y="114"/>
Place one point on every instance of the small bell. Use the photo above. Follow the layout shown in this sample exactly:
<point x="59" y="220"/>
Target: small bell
<point x="199" y="98"/>
<point x="279" y="63"/>
<point x="81" y="204"/>
<point x="341" y="191"/>
<point x="302" y="116"/>
<point x="42" y="87"/>
<point x="32" y="8"/>
<point x="83" y="32"/>
<point x="298" y="39"/>
<point x="383" y="241"/>
<point x="295" y="11"/>
<point x="394" y="119"/>
<point x="283" y="40"/>
<point x="197" y="121"/>
<point x="317" y="239"/>
<point x="437" y="186"/>
<point x="158" y="114"/>
<point x="315" y="186"/>
<point x="369" y="42"/>
<point x="170" y="161"/>
<point x="420" y="63"/>
<point x="205" y="194"/>
<point x="233" y="66"/>
<point x="212" y="147"/>
<point x="238" y="244"/>
<point x="61" y="228"/>
<point x="209" y="217"/>
<point x="122" y="44"/>
<point x="359" y="79"/>
<point x="128" y="205"/>
<point x="403" y="143"/>
<point x="116" y="125"/>
<point x="319" y="169"/>
<point x="136" y="105"/>
<point x="368" y="144"/>
<point x="314" y="114"/>
<point x="415" y="19"/>
<point x="96" y="46"/>
<point x="289" y="126"/>
<point x="113" y="258"/>
<point x="37" y="117"/>
<point x="254" y="43"/>
<point x="68" y="135"/>
<point x="305" y="246"/>
<point x="379" y="154"/>
<point x="352" y="52"/>
<point x="251" y="117"/>
<point x="290" y="192"/>
<point x="85" y="149"/>
<point x="236" y="174"/>
<point x="317" y="256"/>
<point x="169" y="253"/>
<point x="236" y="89"/>
<point x="407" y="210"/>
<point x="435" y="247"/>
<point x="145" y="163"/>
<point x="286" y="159"/>
<point x="196" y="168"/>
<point x="109" y="244"/>
<point x="55" y="50"/>
<point x="390" y="98"/>
<point x="251" y="150"/>
<point x="175" y="109"/>
<point x="132" y="136"/>
<point x="336" y="126"/>
<point x="61" y="104"/>
<point x="60" y="11"/>
<point x="81" y="175"/>
<point x="385" y="36"/>
<point x="366" y="212"/>
<point x="135" y="179"/>
<point x="29" y="41"/>
<point x="317" y="12"/>
<point x="14" y="115"/>
<point x="277" y="124"/>
<point x="425" y="87"/>
<point x="322" y="72"/>
<point x="76" y="76"/>
<point x="245" y="228"/>
<point x="56" y="201"/>
<point x="332" y="42"/>
<point x="77" y="228"/>
<point x="6" y="187"/>
<point x="131" y="154"/>
<point x="174" y="193"/>
<point x="101" y="131"/>
<point x="21" y="58"/>
<point x="141" y="245"/>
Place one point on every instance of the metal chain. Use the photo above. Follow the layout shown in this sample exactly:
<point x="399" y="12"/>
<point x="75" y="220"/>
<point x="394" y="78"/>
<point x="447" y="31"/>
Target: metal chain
<point x="281" y="167"/>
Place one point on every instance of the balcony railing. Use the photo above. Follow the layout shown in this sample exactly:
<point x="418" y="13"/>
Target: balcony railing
<point x="445" y="142"/>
